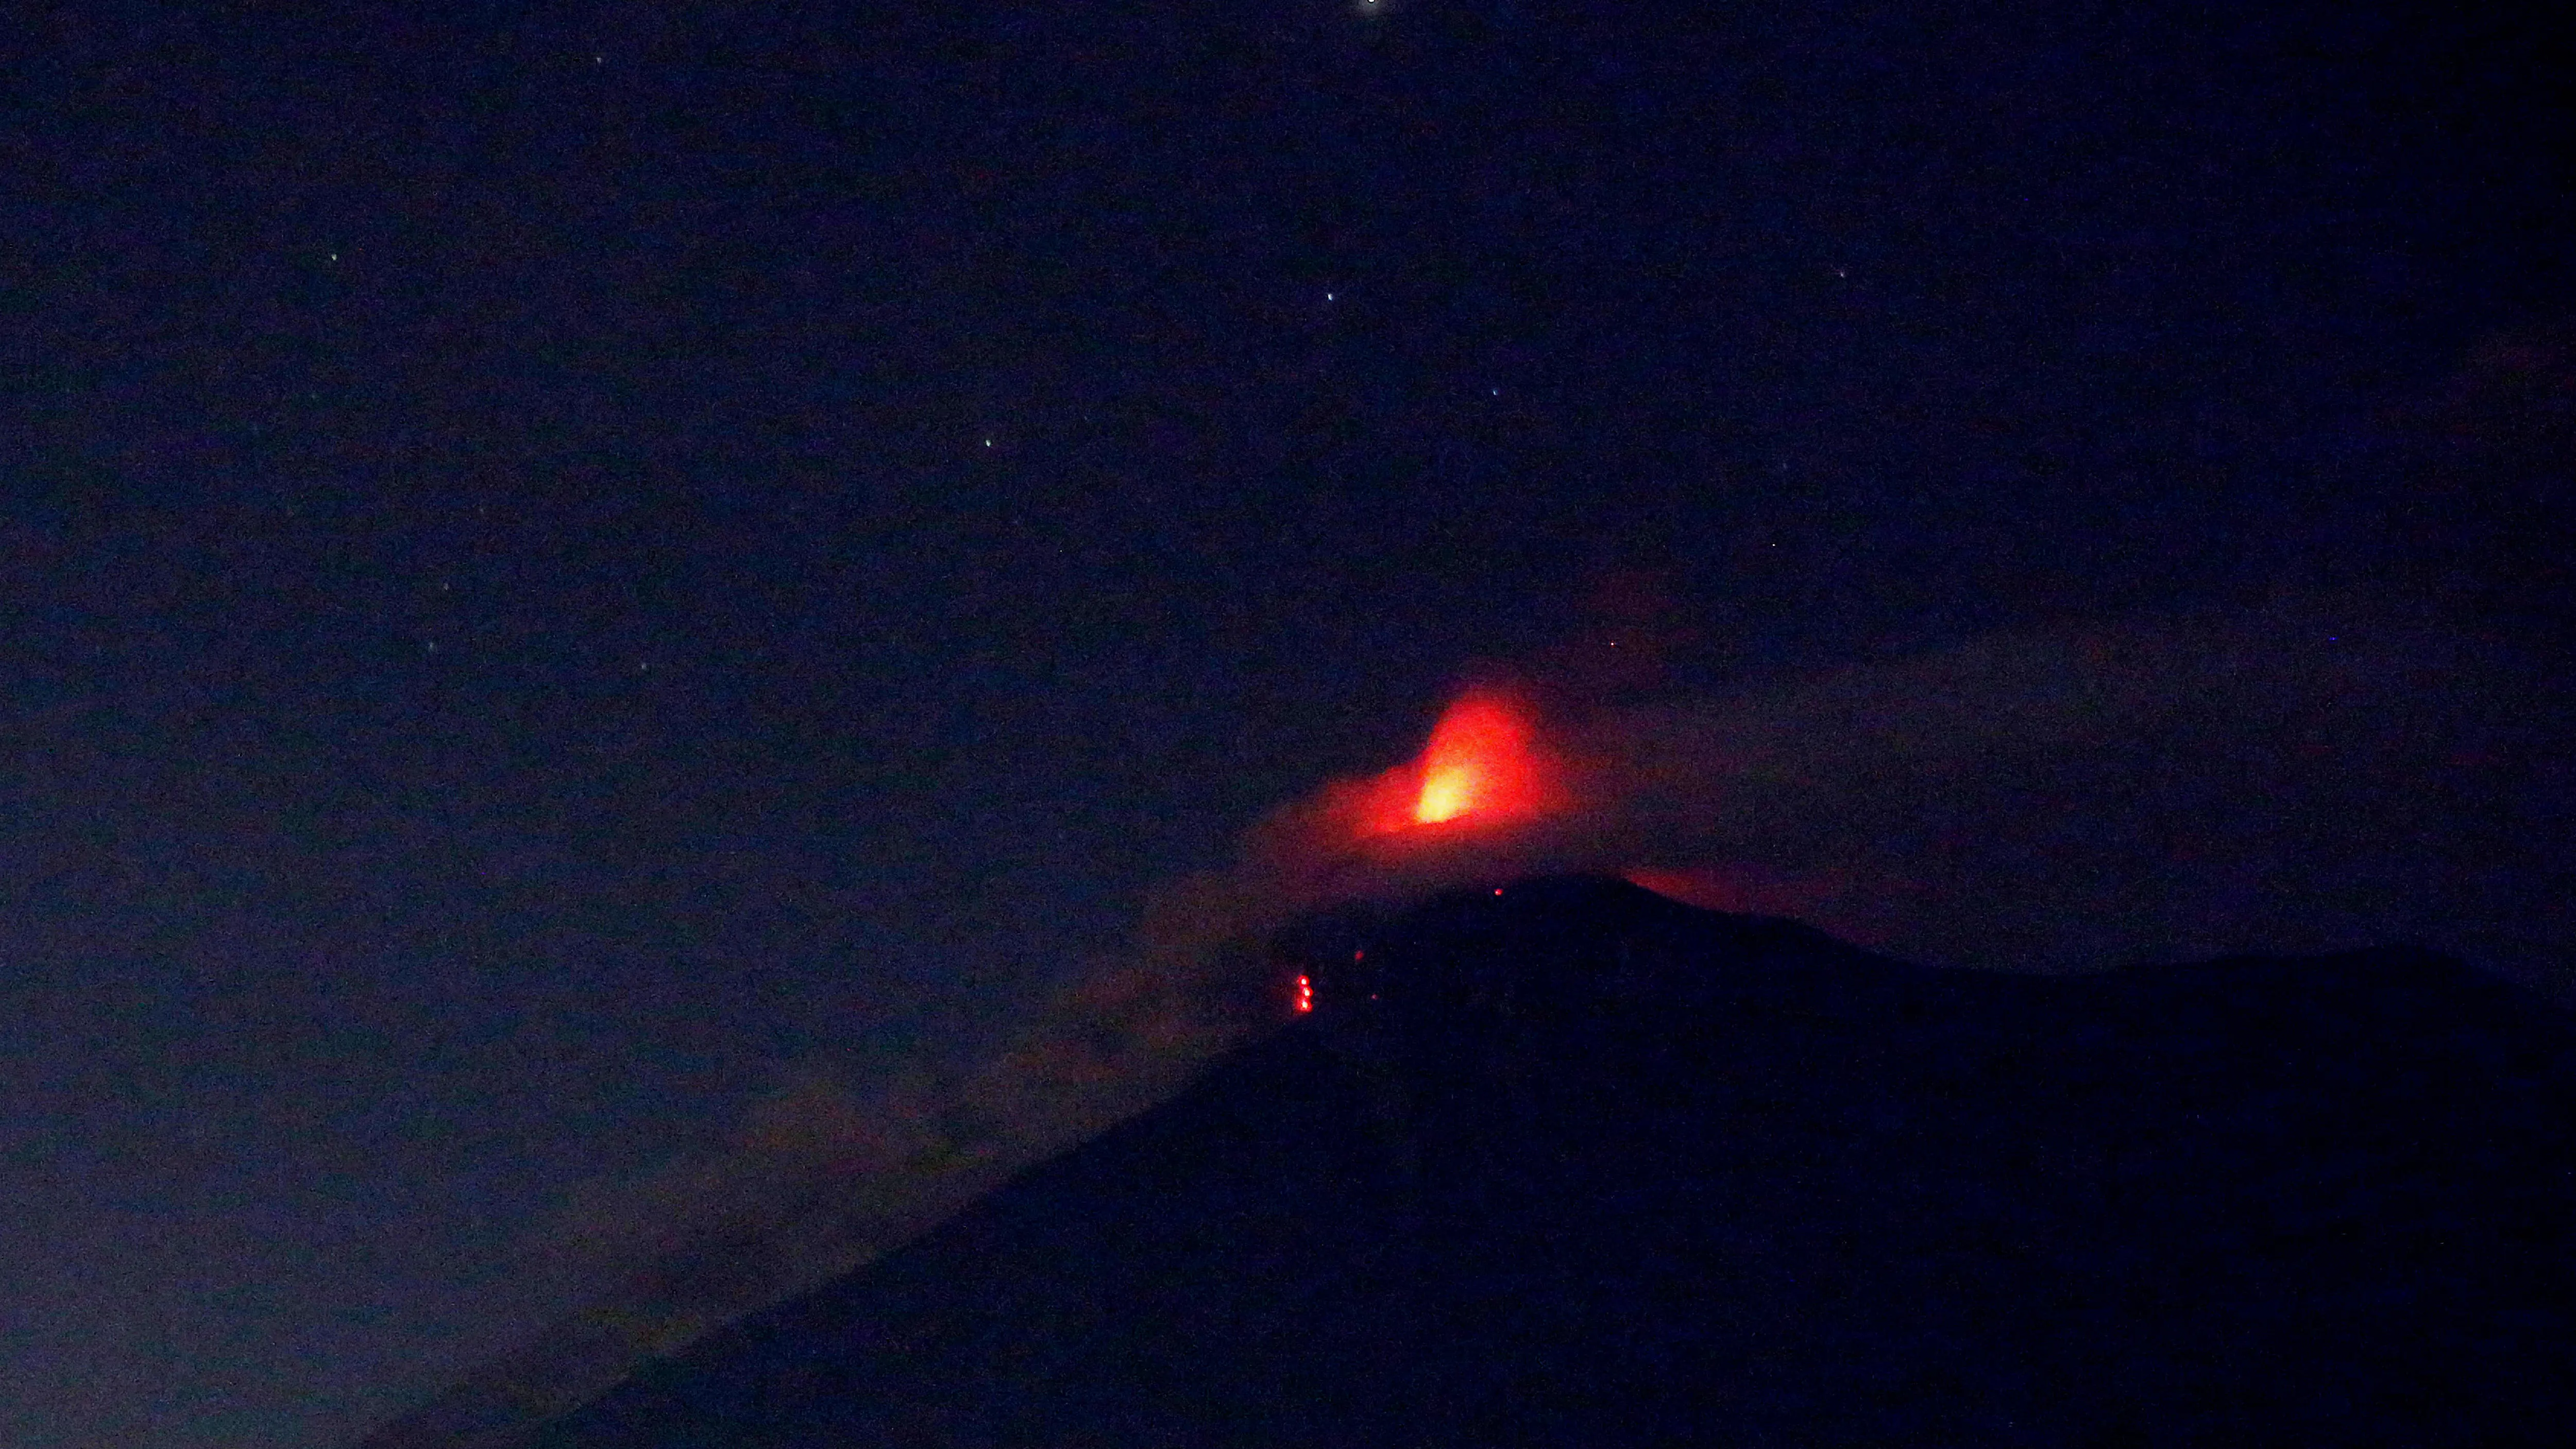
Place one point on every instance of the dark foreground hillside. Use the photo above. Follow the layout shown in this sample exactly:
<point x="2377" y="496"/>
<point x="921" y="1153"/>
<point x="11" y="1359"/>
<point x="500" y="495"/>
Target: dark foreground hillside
<point x="1594" y="1168"/>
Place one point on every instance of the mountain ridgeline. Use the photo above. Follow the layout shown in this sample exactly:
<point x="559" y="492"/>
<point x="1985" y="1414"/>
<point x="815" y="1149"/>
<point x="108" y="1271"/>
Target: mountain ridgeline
<point x="1566" y="1162"/>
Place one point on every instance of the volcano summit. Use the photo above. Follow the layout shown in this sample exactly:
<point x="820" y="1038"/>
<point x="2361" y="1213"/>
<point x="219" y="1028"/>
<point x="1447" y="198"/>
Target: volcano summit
<point x="1567" y="1162"/>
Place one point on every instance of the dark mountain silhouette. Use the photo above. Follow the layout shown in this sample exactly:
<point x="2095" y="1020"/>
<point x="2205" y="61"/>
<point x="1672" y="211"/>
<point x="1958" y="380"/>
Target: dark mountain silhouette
<point x="1570" y="1163"/>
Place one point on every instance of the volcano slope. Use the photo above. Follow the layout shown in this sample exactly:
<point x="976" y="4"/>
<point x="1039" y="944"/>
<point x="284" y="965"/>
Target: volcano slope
<point x="1570" y="1163"/>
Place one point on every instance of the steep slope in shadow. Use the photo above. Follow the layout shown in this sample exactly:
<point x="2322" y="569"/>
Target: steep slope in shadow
<point x="1570" y="1163"/>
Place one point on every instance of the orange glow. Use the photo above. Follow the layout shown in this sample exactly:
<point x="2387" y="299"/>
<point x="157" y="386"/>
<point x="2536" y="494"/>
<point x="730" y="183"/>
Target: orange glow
<point x="1486" y="763"/>
<point x="1305" y="994"/>
<point x="1481" y="760"/>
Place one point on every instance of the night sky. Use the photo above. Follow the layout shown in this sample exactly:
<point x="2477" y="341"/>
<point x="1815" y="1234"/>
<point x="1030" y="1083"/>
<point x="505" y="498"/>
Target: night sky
<point x="562" y="574"/>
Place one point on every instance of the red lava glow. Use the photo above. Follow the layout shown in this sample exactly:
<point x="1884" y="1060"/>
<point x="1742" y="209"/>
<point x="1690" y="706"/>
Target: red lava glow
<point x="1707" y="889"/>
<point x="1745" y="889"/>
<point x="1862" y="912"/>
<point x="1482" y="760"/>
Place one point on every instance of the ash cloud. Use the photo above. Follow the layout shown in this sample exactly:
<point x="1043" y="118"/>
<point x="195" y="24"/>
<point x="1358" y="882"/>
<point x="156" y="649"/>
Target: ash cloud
<point x="2306" y="775"/>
